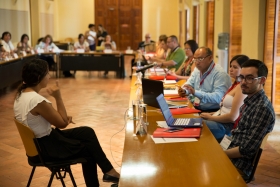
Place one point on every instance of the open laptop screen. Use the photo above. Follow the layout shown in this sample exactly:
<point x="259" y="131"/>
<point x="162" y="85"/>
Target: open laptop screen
<point x="165" y="110"/>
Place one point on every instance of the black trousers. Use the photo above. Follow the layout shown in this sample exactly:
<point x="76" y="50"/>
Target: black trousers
<point x="92" y="47"/>
<point x="76" y="143"/>
<point x="49" y="60"/>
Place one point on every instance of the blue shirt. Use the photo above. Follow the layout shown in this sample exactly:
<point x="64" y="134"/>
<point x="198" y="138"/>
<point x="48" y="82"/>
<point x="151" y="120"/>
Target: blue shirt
<point x="214" y="86"/>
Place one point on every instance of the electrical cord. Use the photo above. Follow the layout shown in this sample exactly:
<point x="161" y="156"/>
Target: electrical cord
<point x="125" y="122"/>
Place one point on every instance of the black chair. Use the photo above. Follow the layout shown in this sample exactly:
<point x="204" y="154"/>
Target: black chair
<point x="255" y="164"/>
<point x="256" y="159"/>
<point x="35" y="158"/>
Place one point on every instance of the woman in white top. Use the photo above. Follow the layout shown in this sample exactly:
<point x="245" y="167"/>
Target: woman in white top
<point x="38" y="113"/>
<point x="108" y="43"/>
<point x="6" y="42"/>
<point x="81" y="44"/>
<point x="23" y="44"/>
<point x="221" y="122"/>
<point x="47" y="44"/>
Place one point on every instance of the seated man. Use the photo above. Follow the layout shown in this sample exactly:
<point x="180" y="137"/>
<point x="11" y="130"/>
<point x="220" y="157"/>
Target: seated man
<point x="208" y="82"/>
<point x="148" y="45"/>
<point x="176" y="56"/>
<point x="256" y="117"/>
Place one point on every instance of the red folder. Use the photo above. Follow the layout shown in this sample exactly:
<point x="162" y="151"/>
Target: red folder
<point x="185" y="110"/>
<point x="186" y="133"/>
<point x="161" y="77"/>
<point x="176" y="99"/>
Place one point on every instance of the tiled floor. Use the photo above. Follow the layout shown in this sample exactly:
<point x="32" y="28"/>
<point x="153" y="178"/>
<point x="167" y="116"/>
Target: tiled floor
<point x="99" y="103"/>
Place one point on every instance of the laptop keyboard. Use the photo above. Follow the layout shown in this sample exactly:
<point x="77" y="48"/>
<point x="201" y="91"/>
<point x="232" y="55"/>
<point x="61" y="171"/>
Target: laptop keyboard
<point x="169" y="88"/>
<point x="181" y="121"/>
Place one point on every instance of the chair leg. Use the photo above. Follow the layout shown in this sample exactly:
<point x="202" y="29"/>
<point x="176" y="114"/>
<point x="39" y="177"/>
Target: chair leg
<point x="31" y="176"/>
<point x="61" y="178"/>
<point x="68" y="169"/>
<point x="51" y="179"/>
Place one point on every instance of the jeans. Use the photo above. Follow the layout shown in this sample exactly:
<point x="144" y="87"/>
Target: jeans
<point x="219" y="130"/>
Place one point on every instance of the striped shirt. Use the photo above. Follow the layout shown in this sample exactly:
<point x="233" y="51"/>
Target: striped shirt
<point x="257" y="118"/>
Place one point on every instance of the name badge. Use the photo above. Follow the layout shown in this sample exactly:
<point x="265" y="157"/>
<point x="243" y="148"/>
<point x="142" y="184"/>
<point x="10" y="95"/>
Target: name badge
<point x="80" y="50"/>
<point x="107" y="51"/>
<point x="15" y="55"/>
<point x="40" y="50"/>
<point x="226" y="142"/>
<point x="196" y="101"/>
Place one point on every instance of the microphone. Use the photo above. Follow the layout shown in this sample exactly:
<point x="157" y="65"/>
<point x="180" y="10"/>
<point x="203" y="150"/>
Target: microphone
<point x="144" y="45"/>
<point x="146" y="67"/>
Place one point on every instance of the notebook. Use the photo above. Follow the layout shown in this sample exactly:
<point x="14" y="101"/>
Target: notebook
<point x="151" y="89"/>
<point x="179" y="122"/>
<point x="185" y="133"/>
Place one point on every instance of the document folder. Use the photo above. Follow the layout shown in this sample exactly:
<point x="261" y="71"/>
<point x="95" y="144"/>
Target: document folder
<point x="185" y="133"/>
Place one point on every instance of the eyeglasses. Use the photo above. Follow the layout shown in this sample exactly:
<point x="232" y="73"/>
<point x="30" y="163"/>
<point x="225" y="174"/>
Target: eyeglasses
<point x="248" y="79"/>
<point x="200" y="59"/>
<point x="186" y="49"/>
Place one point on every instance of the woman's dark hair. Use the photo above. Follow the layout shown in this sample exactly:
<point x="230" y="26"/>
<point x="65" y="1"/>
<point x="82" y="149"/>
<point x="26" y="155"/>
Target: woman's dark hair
<point x="47" y="36"/>
<point x="39" y="40"/>
<point x="193" y="45"/>
<point x="163" y="38"/>
<point x="240" y="59"/>
<point x="32" y="74"/>
<point x="23" y="36"/>
<point x="5" y="33"/>
<point x="80" y="36"/>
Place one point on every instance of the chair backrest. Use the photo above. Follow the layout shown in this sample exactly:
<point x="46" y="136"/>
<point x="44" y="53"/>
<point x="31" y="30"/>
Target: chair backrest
<point x="257" y="158"/>
<point x="27" y="136"/>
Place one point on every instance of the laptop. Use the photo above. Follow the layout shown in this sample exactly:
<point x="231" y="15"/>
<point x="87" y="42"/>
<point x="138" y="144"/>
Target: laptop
<point x="151" y="89"/>
<point x="179" y="122"/>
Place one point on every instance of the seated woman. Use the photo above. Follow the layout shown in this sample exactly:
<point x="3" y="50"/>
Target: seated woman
<point x="221" y="122"/>
<point x="185" y="70"/>
<point x="37" y="112"/>
<point x="81" y="44"/>
<point x="48" y="46"/>
<point x="7" y="44"/>
<point x="2" y="53"/>
<point x="23" y="44"/>
<point x="101" y="34"/>
<point x="108" y="43"/>
<point x="159" y="50"/>
<point x="162" y="53"/>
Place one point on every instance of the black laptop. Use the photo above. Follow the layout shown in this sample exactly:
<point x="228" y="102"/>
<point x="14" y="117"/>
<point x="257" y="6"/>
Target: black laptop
<point x="151" y="89"/>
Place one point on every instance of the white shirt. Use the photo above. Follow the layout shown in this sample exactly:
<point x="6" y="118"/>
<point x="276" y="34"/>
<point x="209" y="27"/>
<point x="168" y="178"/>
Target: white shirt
<point x="22" y="107"/>
<point x="51" y="47"/>
<point x="7" y="46"/>
<point x="79" y="46"/>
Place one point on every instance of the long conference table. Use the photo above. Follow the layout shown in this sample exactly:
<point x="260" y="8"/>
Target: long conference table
<point x="194" y="164"/>
<point x="10" y="71"/>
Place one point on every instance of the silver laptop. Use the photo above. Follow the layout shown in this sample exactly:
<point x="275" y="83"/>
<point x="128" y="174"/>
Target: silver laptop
<point x="179" y="122"/>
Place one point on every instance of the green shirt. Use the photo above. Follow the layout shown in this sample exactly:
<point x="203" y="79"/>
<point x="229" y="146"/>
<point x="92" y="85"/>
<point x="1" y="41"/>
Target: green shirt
<point x="177" y="56"/>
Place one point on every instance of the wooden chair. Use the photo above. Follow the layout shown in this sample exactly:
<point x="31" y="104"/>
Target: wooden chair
<point x="32" y="149"/>
<point x="257" y="158"/>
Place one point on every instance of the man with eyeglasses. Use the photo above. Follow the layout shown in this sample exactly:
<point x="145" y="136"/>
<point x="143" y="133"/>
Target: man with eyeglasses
<point x="148" y="45"/>
<point x="175" y="57"/>
<point x="256" y="117"/>
<point x="208" y="82"/>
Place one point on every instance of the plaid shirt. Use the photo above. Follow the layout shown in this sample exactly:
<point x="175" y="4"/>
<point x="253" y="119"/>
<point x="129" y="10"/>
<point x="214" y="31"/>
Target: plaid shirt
<point x="257" y="118"/>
